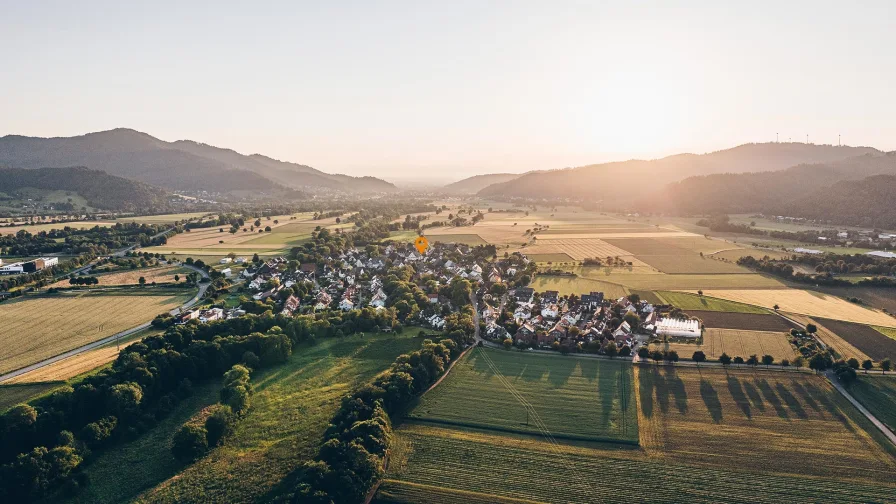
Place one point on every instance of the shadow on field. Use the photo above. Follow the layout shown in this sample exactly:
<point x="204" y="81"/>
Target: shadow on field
<point x="645" y="391"/>
<point x="754" y="396"/>
<point x="676" y="386"/>
<point x="561" y="370"/>
<point x="772" y="398"/>
<point x="711" y="400"/>
<point x="607" y="390"/>
<point x="829" y="406"/>
<point x="791" y="401"/>
<point x="737" y="392"/>
<point x="802" y="392"/>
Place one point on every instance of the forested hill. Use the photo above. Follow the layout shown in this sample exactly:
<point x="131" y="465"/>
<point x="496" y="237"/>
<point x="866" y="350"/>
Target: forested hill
<point x="766" y="192"/>
<point x="870" y="202"/>
<point x="181" y="165"/>
<point x="473" y="185"/>
<point x="614" y="183"/>
<point x="101" y="190"/>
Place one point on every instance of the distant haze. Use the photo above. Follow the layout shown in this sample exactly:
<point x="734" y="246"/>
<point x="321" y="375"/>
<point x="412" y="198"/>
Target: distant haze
<point x="444" y="90"/>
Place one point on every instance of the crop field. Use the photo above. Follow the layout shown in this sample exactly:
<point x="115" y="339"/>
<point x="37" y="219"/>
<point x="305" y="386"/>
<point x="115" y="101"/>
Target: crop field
<point x="745" y="321"/>
<point x="736" y="342"/>
<point x="37" y="228"/>
<point x="37" y="329"/>
<point x="291" y="407"/>
<point x="469" y="239"/>
<point x="878" y="394"/>
<point x="158" y="274"/>
<point x="679" y="255"/>
<point x="759" y="421"/>
<point x="552" y="258"/>
<point x="164" y="218"/>
<point x="868" y="340"/>
<point x="580" y="248"/>
<point x="70" y="367"/>
<point x="577" y="285"/>
<point x="807" y="303"/>
<point x="637" y="280"/>
<point x="887" y="331"/>
<point x="11" y="395"/>
<point x="577" y="398"/>
<point x="881" y="298"/>
<point x="468" y="466"/>
<point x="704" y="303"/>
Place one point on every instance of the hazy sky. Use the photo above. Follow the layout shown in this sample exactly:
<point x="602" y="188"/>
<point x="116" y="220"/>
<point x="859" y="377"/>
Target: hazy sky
<point x="453" y="88"/>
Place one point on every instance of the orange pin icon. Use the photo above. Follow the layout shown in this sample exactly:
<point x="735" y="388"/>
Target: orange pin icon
<point x="422" y="244"/>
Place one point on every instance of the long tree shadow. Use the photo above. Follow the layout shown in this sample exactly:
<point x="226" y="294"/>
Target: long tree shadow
<point x="754" y="396"/>
<point x="645" y="391"/>
<point x="740" y="398"/>
<point x="711" y="400"/>
<point x="608" y="387"/>
<point x="662" y="391"/>
<point x="676" y="386"/>
<point x="561" y="371"/>
<point x="772" y="398"/>
<point x="791" y="401"/>
<point x="829" y="406"/>
<point x="802" y="392"/>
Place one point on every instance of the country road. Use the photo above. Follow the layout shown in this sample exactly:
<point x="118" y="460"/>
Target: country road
<point x="873" y="419"/>
<point x="99" y="343"/>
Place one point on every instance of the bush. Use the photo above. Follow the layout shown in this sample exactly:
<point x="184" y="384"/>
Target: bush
<point x="96" y="433"/>
<point x="190" y="443"/>
<point x="250" y="360"/>
<point x="219" y="425"/>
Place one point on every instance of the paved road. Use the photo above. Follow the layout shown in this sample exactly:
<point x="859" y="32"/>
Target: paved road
<point x="877" y="423"/>
<point x="96" y="344"/>
<point x="476" y="338"/>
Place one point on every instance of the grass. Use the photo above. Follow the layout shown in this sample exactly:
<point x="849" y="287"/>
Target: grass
<point x="577" y="398"/>
<point x="736" y="343"/>
<point x="11" y="395"/>
<point x="158" y="274"/>
<point x="694" y="302"/>
<point x="887" y="331"/>
<point x="40" y="328"/>
<point x="163" y="218"/>
<point x="577" y="285"/>
<point x="806" y="303"/>
<point x="878" y="394"/>
<point x="290" y="411"/>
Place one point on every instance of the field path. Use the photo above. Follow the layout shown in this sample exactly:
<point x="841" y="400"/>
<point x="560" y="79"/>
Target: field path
<point x="109" y="339"/>
<point x="873" y="419"/>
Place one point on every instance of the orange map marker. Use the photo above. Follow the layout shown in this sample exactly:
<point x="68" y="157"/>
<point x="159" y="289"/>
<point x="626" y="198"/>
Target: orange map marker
<point x="422" y="244"/>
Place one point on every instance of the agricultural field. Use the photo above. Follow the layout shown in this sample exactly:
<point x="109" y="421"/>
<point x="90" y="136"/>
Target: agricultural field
<point x="736" y="342"/>
<point x="469" y="239"/>
<point x="845" y="349"/>
<point x="11" y="395"/>
<point x="868" y="340"/>
<point x="291" y="407"/>
<point x="39" y="328"/>
<point x="889" y="332"/>
<point x="744" y="321"/>
<point x="576" y="285"/>
<point x="680" y="255"/>
<point x="734" y="254"/>
<point x="549" y="258"/>
<point x="164" y="218"/>
<point x="705" y="303"/>
<point x="578" y="398"/>
<point x="158" y="274"/>
<point x="37" y="228"/>
<point x="803" y="302"/>
<point x="580" y="248"/>
<point x="878" y="394"/>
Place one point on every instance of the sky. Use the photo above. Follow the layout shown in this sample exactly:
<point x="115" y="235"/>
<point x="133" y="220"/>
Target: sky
<point x="451" y="89"/>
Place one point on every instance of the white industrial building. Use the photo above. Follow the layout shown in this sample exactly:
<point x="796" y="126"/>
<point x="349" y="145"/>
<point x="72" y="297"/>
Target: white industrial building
<point x="678" y="328"/>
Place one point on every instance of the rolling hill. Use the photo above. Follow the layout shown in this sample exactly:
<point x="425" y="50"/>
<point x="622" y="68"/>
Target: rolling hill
<point x="472" y="185"/>
<point x="617" y="182"/>
<point x="180" y="165"/>
<point x="867" y="202"/>
<point x="98" y="188"/>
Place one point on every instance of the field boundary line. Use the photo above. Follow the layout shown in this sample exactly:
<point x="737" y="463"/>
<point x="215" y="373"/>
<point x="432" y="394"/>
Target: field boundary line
<point x="873" y="419"/>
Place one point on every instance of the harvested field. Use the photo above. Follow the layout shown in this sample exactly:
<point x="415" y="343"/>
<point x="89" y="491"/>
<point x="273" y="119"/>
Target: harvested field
<point x="736" y="342"/>
<point x="70" y="367"/>
<point x="577" y="398"/>
<point x="158" y="274"/>
<point x="37" y="228"/>
<point x="580" y="249"/>
<point x="868" y="340"/>
<point x="11" y="395"/>
<point x="881" y="298"/>
<point x="654" y="281"/>
<point x="647" y="234"/>
<point x="164" y="218"/>
<point x="679" y="255"/>
<point x="878" y="394"/>
<point x="807" y="303"/>
<point x="573" y="285"/>
<point x="36" y="329"/>
<point x="744" y="321"/>
<point x="706" y="303"/>
<point x="544" y="258"/>
<point x="765" y="422"/>
<point x="469" y="239"/>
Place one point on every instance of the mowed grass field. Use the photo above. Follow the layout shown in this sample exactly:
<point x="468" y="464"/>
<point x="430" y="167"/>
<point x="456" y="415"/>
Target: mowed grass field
<point x="291" y="407"/>
<point x="578" y="398"/>
<point x="37" y="329"/>
<point x="736" y="342"/>
<point x="13" y="394"/>
<point x="804" y="302"/>
<point x="707" y="436"/>
<point x="878" y="394"/>
<point x="704" y="303"/>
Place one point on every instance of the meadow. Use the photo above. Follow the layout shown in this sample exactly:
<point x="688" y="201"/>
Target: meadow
<point x="13" y="394"/>
<point x="578" y="398"/>
<point x="291" y="407"/>
<point x="40" y="328"/>
<point x="878" y="394"/>
<point x="687" y="302"/>
<point x="805" y="302"/>
<point x="158" y="274"/>
<point x="736" y="342"/>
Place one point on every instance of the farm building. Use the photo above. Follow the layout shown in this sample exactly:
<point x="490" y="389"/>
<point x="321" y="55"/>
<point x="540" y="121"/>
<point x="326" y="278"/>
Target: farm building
<point x="29" y="266"/>
<point x="880" y="253"/>
<point x="678" y="328"/>
<point x="801" y="250"/>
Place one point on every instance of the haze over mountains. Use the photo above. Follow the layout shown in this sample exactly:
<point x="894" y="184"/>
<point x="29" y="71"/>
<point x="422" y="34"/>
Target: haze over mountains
<point x="180" y="165"/>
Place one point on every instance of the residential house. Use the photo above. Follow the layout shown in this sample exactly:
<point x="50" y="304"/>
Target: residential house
<point x="290" y="305"/>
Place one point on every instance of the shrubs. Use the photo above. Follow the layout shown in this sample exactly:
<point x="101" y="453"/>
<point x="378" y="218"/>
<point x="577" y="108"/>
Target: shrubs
<point x="95" y="433"/>
<point x="190" y="443"/>
<point x="236" y="389"/>
<point x="220" y="424"/>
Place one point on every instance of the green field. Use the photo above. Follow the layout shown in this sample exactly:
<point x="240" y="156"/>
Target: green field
<point x="11" y="395"/>
<point x="577" y="285"/>
<point x="878" y="394"/>
<point x="687" y="301"/>
<point x="290" y="410"/>
<point x="578" y="398"/>
<point x="887" y="331"/>
<point x="469" y="239"/>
